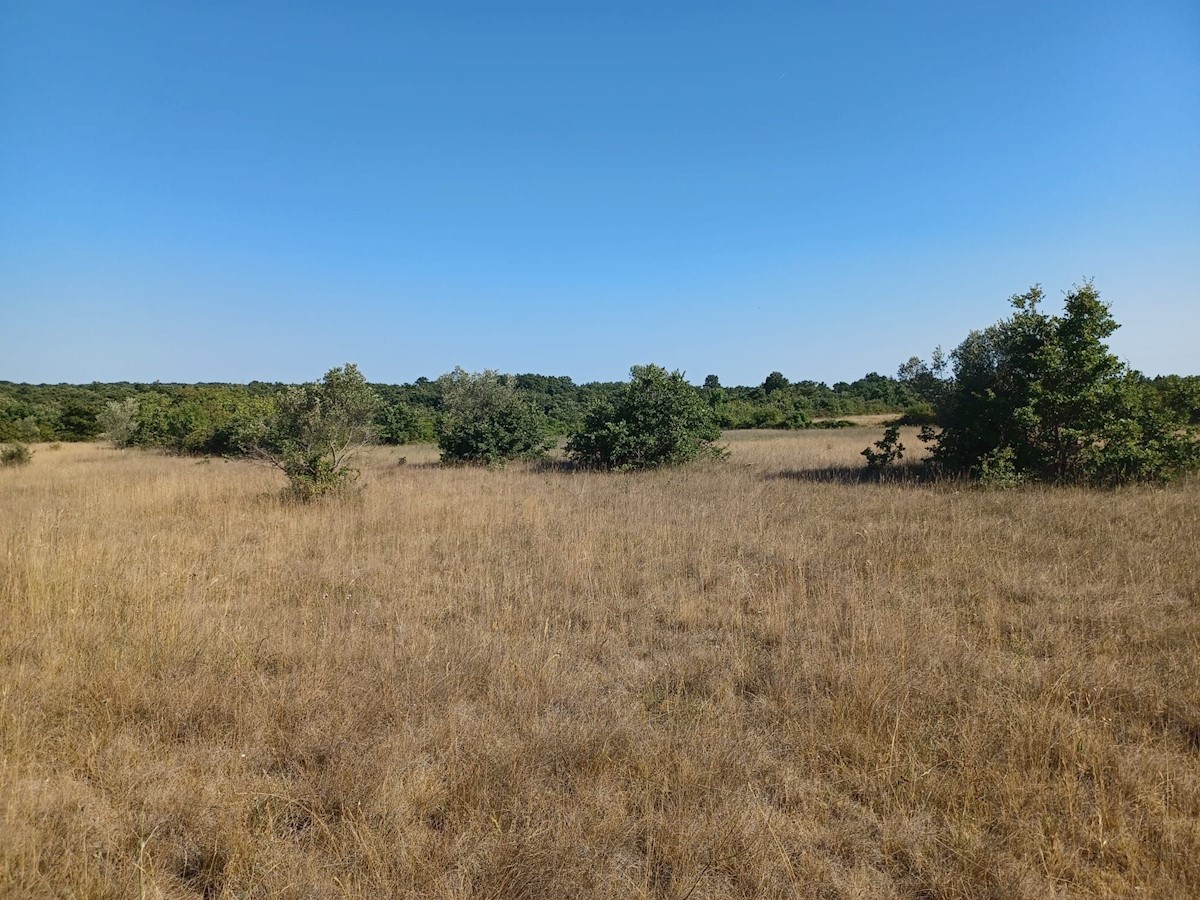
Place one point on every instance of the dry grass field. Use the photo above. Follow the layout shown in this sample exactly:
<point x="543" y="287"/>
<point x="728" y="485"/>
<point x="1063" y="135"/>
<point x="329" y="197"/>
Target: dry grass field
<point x="743" y="679"/>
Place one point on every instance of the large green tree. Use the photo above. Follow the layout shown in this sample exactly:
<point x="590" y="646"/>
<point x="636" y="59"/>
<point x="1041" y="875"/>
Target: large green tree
<point x="486" y="420"/>
<point x="657" y="419"/>
<point x="1042" y="396"/>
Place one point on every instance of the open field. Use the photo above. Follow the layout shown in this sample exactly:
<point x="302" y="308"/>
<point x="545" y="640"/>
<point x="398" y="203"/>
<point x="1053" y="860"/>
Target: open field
<point x="726" y="681"/>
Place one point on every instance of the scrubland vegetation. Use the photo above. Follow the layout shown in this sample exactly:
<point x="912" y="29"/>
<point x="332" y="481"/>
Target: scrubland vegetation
<point x="207" y="418"/>
<point x="483" y="669"/>
<point x="736" y="679"/>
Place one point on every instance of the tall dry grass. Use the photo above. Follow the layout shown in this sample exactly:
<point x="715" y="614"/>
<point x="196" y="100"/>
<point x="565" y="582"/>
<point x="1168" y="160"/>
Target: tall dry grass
<point x="724" y="681"/>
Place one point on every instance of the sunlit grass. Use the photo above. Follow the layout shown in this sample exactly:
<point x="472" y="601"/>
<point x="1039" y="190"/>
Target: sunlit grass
<point x="719" y="681"/>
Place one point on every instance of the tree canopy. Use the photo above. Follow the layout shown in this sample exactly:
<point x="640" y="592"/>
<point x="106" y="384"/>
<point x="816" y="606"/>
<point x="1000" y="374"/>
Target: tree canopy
<point x="1041" y="396"/>
<point x="315" y="430"/>
<point x="485" y="420"/>
<point x="657" y="419"/>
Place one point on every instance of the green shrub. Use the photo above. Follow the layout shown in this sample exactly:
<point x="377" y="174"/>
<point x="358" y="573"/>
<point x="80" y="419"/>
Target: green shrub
<point x="78" y="421"/>
<point x="919" y="414"/>
<point x="404" y="424"/>
<point x="486" y="421"/>
<point x="657" y="419"/>
<point x="316" y="430"/>
<point x="118" y="421"/>
<point x="15" y="454"/>
<point x="310" y="477"/>
<point x="998" y="470"/>
<point x="886" y="450"/>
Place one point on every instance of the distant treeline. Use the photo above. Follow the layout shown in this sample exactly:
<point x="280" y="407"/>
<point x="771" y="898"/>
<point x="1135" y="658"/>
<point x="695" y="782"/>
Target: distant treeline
<point x="211" y="418"/>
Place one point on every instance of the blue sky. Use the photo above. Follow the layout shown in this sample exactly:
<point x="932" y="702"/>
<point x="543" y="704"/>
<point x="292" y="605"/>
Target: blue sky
<point x="229" y="191"/>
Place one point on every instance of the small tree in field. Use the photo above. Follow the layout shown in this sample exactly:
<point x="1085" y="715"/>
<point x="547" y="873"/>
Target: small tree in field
<point x="887" y="450"/>
<point x="315" y="431"/>
<point x="657" y="419"/>
<point x="118" y="421"/>
<point x="485" y="420"/>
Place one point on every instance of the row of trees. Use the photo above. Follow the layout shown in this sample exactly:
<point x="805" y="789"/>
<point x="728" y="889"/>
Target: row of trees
<point x="312" y="432"/>
<point x="186" y="416"/>
<point x="1034" y="396"/>
<point x="1041" y="397"/>
<point x="204" y="418"/>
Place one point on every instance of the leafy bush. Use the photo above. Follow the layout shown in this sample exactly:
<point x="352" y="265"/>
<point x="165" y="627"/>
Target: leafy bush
<point x="1179" y="396"/>
<point x="777" y="412"/>
<point x="404" y="424"/>
<point x="118" y="421"/>
<point x="919" y="414"/>
<point x="78" y="421"/>
<point x="657" y="419"/>
<point x="316" y="430"/>
<point x="485" y="420"/>
<point x="200" y="419"/>
<point x="886" y="450"/>
<point x="1040" y="396"/>
<point x="15" y="454"/>
<point x="998" y="470"/>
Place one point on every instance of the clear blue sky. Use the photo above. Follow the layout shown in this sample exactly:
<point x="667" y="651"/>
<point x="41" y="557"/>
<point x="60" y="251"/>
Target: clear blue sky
<point x="230" y="190"/>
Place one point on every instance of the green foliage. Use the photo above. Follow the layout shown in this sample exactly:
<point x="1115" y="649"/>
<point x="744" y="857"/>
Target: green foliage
<point x="886" y="450"/>
<point x="232" y="432"/>
<point x="1139" y="441"/>
<point x="30" y="428"/>
<point x="315" y="431"/>
<point x="778" y="403"/>
<point x="778" y="412"/>
<point x="1040" y="396"/>
<point x="78" y="421"/>
<point x="561" y="400"/>
<point x="201" y="420"/>
<point x="485" y="420"/>
<point x="658" y="419"/>
<point x="404" y="424"/>
<point x="998" y="469"/>
<point x="118" y="421"/>
<point x="51" y="412"/>
<point x="153" y="422"/>
<point x="15" y="454"/>
<point x="927" y="383"/>
<point x="206" y="418"/>
<point x="919" y="414"/>
<point x="714" y="394"/>
<point x="739" y="413"/>
<point x="774" y="382"/>
<point x="1178" y="397"/>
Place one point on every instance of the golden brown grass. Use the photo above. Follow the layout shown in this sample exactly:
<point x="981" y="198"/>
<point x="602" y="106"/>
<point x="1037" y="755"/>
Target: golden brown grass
<point x="724" y="681"/>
